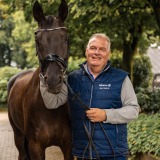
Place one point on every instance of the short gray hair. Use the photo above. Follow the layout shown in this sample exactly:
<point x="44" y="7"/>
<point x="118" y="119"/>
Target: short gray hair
<point x="100" y="35"/>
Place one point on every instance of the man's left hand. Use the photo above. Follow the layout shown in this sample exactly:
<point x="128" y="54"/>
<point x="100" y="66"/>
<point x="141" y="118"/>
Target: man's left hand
<point x="96" y="115"/>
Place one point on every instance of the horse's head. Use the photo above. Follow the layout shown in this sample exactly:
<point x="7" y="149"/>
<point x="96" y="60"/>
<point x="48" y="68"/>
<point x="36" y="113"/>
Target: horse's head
<point x="52" y="46"/>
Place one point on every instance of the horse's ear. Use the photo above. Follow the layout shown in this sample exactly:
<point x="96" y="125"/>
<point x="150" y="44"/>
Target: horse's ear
<point x="63" y="11"/>
<point x="38" y="12"/>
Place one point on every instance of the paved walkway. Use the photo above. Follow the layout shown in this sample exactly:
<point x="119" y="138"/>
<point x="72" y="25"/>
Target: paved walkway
<point x="8" y="151"/>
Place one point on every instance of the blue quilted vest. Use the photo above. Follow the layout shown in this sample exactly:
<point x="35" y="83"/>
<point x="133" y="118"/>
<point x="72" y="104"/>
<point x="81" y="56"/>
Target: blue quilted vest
<point x="104" y="92"/>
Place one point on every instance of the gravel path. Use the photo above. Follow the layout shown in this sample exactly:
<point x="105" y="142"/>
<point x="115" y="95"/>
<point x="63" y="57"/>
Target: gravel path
<point x="8" y="151"/>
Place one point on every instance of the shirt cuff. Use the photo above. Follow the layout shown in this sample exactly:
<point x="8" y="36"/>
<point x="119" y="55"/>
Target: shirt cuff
<point x="110" y="114"/>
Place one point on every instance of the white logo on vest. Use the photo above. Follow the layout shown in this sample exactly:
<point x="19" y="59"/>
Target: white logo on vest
<point x="104" y="86"/>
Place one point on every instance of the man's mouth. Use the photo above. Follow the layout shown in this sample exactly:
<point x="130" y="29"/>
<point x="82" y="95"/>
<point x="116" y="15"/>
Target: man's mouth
<point x="96" y="58"/>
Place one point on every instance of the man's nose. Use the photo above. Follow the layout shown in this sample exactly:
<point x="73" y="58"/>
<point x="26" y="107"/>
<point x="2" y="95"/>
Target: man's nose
<point x="97" y="50"/>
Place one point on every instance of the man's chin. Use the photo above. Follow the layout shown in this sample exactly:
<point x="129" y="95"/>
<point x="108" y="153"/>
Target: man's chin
<point x="96" y="64"/>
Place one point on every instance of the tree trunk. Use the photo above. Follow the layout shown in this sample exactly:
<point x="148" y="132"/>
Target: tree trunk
<point x="130" y="48"/>
<point x="128" y="55"/>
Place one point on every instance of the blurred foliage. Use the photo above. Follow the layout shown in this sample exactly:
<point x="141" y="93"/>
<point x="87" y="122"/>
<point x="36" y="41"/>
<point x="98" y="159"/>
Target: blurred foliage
<point x="5" y="74"/>
<point x="17" y="46"/>
<point x="144" y="135"/>
<point x="74" y="62"/>
<point x="149" y="100"/>
<point x="24" y="53"/>
<point x="116" y="59"/>
<point x="142" y="72"/>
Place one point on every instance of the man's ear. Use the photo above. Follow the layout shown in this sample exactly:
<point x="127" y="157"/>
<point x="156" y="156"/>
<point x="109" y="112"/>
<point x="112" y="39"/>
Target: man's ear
<point x="109" y="55"/>
<point x="86" y="52"/>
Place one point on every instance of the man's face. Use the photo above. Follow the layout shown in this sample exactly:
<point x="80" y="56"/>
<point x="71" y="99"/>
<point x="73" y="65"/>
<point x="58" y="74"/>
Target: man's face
<point x="97" y="53"/>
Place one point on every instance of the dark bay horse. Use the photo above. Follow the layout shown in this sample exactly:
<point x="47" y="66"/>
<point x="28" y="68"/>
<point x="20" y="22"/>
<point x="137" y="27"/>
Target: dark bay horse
<point x="36" y="127"/>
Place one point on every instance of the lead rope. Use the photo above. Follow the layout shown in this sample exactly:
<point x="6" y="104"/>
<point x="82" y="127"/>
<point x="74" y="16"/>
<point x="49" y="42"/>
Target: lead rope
<point x="76" y="97"/>
<point x="90" y="141"/>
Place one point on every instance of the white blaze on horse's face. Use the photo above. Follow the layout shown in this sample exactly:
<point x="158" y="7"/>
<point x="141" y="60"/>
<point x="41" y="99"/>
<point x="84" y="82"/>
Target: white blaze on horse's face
<point x="52" y="41"/>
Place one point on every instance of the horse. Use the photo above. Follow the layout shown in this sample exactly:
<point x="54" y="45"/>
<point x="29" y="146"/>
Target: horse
<point x="36" y="127"/>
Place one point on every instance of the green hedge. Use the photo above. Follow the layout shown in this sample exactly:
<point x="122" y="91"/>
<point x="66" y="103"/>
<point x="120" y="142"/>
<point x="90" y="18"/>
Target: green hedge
<point x="144" y="135"/>
<point x="142" y="72"/>
<point x="149" y="100"/>
<point x="73" y="63"/>
<point x="5" y="74"/>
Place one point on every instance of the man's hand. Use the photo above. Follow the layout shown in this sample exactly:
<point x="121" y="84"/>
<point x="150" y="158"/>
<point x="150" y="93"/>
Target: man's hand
<point x="96" y="115"/>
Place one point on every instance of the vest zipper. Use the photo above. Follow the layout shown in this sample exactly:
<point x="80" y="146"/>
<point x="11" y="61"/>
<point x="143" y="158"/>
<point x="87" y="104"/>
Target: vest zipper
<point x="90" y="129"/>
<point x="117" y="132"/>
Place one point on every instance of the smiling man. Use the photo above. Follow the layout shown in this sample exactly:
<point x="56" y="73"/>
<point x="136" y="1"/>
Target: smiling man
<point x="100" y="133"/>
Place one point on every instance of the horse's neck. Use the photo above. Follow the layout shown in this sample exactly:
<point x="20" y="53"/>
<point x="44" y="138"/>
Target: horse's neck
<point x="35" y="76"/>
<point x="35" y="80"/>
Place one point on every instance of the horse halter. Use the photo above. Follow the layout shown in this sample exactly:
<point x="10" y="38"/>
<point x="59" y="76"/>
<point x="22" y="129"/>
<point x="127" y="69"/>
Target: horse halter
<point x="51" y="57"/>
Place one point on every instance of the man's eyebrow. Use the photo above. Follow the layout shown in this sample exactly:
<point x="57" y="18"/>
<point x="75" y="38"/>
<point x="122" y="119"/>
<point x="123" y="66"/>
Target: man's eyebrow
<point x="103" y="48"/>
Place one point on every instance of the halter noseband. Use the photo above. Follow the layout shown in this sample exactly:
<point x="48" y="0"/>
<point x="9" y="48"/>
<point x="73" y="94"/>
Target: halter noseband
<point x="51" y="57"/>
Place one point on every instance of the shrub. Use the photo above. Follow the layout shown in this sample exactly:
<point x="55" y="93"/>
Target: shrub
<point x="116" y="59"/>
<point x="144" y="135"/>
<point x="5" y="74"/>
<point x="73" y="63"/>
<point x="142" y="72"/>
<point x="149" y="100"/>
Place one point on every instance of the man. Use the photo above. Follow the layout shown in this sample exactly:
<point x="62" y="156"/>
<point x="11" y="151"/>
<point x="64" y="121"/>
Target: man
<point x="101" y="131"/>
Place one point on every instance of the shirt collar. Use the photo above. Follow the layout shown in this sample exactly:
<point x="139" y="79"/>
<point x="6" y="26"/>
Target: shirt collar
<point x="85" y="67"/>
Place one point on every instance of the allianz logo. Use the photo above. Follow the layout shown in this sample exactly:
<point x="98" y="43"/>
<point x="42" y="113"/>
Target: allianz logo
<point x="104" y="86"/>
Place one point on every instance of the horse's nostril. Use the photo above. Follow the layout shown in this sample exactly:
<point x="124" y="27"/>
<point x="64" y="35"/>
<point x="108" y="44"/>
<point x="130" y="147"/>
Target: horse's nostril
<point x="45" y="77"/>
<point x="61" y="78"/>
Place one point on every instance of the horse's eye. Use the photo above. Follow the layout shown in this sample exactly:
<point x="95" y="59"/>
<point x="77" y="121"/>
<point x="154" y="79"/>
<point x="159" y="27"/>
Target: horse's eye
<point x="37" y="41"/>
<point x="66" y="40"/>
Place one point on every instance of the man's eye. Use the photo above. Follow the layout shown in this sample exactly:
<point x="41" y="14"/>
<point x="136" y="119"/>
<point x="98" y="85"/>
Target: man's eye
<point x="103" y="49"/>
<point x="92" y="48"/>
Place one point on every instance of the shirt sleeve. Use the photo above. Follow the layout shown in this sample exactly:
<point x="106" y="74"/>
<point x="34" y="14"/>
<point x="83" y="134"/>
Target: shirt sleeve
<point x="130" y="108"/>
